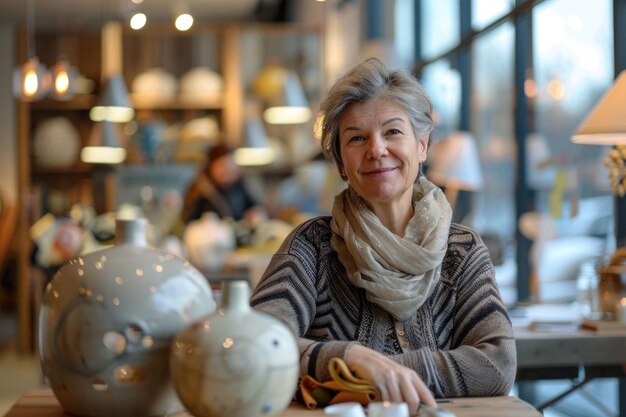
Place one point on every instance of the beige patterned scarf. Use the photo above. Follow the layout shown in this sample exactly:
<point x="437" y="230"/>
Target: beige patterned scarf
<point x="398" y="273"/>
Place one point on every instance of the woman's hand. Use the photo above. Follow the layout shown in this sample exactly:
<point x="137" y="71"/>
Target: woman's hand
<point x="395" y="382"/>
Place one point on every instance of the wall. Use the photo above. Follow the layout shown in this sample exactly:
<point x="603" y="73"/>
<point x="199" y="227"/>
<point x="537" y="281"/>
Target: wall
<point x="8" y="133"/>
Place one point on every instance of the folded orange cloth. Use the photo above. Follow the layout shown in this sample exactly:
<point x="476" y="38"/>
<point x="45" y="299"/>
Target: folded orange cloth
<point x="343" y="387"/>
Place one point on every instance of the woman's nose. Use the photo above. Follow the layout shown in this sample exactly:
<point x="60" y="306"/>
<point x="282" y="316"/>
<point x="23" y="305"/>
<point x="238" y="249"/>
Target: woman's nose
<point x="377" y="147"/>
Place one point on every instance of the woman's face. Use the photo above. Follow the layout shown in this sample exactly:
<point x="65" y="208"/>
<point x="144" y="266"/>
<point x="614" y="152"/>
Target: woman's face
<point x="224" y="171"/>
<point x="381" y="155"/>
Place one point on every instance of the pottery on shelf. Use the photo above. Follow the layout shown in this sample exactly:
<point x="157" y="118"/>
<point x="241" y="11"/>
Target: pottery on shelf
<point x="107" y="322"/>
<point x="236" y="362"/>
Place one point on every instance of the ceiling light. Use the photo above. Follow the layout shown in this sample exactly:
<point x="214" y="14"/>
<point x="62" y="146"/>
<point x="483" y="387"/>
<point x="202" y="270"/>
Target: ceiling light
<point x="138" y="21"/>
<point x="183" y="22"/>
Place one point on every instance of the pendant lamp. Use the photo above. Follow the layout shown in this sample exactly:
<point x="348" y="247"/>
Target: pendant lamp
<point x="104" y="145"/>
<point x="290" y="105"/>
<point x="114" y="104"/>
<point x="30" y="81"/>
<point x="257" y="150"/>
<point x="64" y="77"/>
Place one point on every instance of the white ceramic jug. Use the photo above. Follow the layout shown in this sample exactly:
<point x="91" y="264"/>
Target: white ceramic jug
<point x="237" y="362"/>
<point x="107" y="322"/>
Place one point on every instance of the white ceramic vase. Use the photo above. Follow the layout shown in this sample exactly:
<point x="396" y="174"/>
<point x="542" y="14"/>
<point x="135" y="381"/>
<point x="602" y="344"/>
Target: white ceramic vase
<point x="107" y="322"/>
<point x="237" y="362"/>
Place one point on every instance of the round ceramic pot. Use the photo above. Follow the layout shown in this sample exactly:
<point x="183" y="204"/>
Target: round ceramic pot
<point x="107" y="322"/>
<point x="236" y="362"/>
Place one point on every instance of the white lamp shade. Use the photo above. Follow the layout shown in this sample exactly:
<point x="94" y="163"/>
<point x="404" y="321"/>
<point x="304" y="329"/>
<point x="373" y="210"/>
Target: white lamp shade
<point x="454" y="163"/>
<point x="104" y="145"/>
<point x="606" y="123"/>
<point x="290" y="106"/>
<point x="114" y="104"/>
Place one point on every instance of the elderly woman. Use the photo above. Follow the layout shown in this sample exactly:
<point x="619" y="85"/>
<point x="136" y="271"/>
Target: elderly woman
<point x="406" y="298"/>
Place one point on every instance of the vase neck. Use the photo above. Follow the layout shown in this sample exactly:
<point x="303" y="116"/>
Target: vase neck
<point x="236" y="295"/>
<point x="131" y="232"/>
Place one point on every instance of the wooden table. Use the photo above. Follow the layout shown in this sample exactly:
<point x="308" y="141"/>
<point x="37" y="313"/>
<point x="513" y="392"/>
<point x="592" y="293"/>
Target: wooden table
<point x="44" y="404"/>
<point x="579" y="355"/>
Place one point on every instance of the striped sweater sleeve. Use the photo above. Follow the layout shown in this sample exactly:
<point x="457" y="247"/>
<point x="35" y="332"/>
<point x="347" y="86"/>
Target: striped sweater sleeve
<point x="289" y="290"/>
<point x="472" y="320"/>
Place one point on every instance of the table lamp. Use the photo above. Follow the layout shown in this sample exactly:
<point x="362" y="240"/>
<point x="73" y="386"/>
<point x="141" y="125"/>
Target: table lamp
<point x="455" y="165"/>
<point x="606" y="125"/>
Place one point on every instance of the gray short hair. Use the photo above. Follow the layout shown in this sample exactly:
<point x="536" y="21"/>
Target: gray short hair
<point x="368" y="80"/>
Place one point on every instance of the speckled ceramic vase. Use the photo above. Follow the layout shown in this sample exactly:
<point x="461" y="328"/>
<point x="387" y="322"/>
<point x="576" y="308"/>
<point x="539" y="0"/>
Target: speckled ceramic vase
<point x="237" y="362"/>
<point x="107" y="323"/>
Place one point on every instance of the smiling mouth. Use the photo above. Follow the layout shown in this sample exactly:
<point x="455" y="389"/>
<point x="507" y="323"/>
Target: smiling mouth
<point x="378" y="171"/>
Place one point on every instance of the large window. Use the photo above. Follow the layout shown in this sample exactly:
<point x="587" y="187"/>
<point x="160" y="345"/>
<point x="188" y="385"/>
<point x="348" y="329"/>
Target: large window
<point x="485" y="12"/>
<point x="437" y="15"/>
<point x="443" y="84"/>
<point x="573" y="66"/>
<point x="493" y="125"/>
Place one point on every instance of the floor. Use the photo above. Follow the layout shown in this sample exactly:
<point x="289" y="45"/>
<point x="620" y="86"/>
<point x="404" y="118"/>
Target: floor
<point x="20" y="373"/>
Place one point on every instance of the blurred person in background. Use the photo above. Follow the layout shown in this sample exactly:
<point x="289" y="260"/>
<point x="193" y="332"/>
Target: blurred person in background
<point x="218" y="188"/>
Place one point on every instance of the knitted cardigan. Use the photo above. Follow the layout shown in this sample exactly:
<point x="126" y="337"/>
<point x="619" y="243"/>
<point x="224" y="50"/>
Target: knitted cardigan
<point x="460" y="341"/>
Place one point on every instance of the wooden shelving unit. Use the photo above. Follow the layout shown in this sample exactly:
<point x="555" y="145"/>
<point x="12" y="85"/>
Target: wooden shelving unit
<point x="216" y="46"/>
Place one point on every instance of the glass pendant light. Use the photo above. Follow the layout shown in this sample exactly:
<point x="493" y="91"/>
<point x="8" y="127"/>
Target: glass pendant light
<point x="64" y="78"/>
<point x="32" y="80"/>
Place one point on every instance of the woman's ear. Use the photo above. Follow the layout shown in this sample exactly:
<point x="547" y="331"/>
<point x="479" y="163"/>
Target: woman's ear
<point x="342" y="172"/>
<point x="423" y="149"/>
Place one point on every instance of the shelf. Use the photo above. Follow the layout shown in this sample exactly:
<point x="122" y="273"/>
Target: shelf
<point x="82" y="102"/>
<point x="72" y="171"/>
<point x="178" y="103"/>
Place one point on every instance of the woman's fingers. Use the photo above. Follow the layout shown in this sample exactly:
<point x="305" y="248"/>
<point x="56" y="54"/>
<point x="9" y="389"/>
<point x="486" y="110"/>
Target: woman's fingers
<point x="411" y="393"/>
<point x="395" y="382"/>
<point x="424" y="393"/>
<point x="401" y="384"/>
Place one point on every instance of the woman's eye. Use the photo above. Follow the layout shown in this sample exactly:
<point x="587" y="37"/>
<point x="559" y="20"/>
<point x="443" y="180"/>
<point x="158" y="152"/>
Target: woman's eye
<point x="355" y="139"/>
<point x="394" y="132"/>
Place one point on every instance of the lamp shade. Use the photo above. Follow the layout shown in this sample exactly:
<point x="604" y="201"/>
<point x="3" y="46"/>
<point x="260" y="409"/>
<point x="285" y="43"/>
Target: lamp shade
<point x="257" y="150"/>
<point x="454" y="163"/>
<point x="290" y="105"/>
<point x="606" y="123"/>
<point x="104" y="145"/>
<point x="114" y="104"/>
